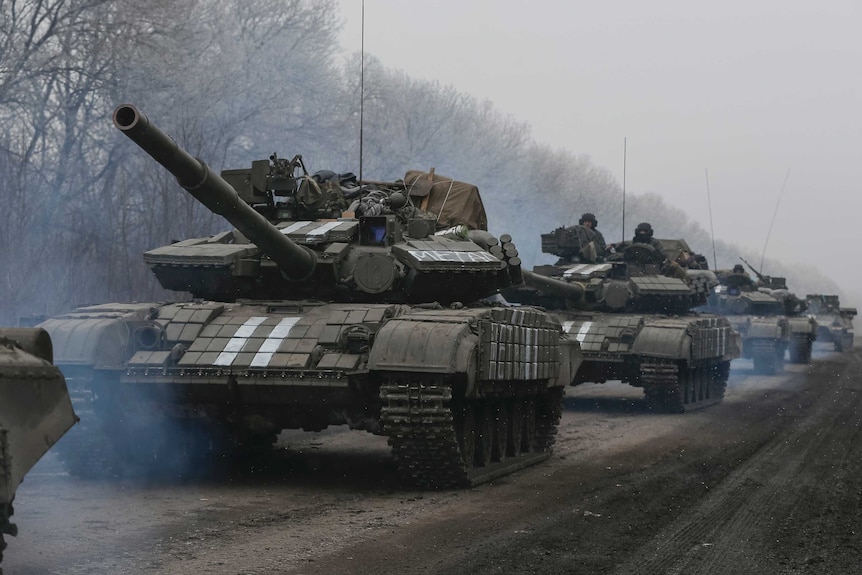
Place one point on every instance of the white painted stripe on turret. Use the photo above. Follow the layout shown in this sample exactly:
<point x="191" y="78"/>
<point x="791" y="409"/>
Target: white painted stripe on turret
<point x="567" y="326"/>
<point x="294" y="227"/>
<point x="235" y="344"/>
<point x="322" y="229"/>
<point x="272" y="341"/>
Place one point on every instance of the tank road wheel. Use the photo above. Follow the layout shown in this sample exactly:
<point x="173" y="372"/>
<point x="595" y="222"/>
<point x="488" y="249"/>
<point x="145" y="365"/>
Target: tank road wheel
<point x="844" y="342"/>
<point x="440" y="441"/>
<point x="549" y="409"/>
<point x="718" y="375"/>
<point x="697" y="380"/>
<point x="528" y="437"/>
<point x="516" y="426"/>
<point x="672" y="388"/>
<point x="485" y="424"/>
<point x="465" y="426"/>
<point x="500" y="447"/>
<point x="686" y="384"/>
<point x="800" y="349"/>
<point x="768" y="357"/>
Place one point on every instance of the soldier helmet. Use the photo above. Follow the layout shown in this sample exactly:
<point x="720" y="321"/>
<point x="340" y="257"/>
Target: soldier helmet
<point x="588" y="217"/>
<point x="738" y="269"/>
<point x="644" y="228"/>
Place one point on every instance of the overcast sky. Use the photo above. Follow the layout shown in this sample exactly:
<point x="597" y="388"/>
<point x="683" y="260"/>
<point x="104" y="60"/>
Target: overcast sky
<point x="745" y="89"/>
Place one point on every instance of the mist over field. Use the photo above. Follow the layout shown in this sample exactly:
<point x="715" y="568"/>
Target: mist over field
<point x="530" y="104"/>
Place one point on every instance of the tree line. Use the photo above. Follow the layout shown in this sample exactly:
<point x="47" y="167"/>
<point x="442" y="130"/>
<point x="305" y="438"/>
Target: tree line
<point x="233" y="81"/>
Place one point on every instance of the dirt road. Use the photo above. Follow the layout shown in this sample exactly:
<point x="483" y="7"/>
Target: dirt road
<point x="770" y="481"/>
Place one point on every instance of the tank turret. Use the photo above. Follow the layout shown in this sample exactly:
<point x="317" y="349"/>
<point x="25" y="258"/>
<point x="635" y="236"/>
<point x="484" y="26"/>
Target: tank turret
<point x="637" y="278"/>
<point x="294" y="236"/>
<point x="215" y="193"/>
<point x="631" y="312"/>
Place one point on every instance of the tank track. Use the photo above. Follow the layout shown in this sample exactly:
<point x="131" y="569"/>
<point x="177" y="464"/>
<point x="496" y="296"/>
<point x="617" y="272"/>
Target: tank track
<point x="6" y="528"/>
<point x="843" y="342"/>
<point x="673" y="388"/>
<point x="799" y="350"/>
<point x="767" y="356"/>
<point x="442" y="442"/>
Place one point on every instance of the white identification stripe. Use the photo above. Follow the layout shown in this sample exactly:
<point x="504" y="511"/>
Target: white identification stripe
<point x="323" y="229"/>
<point x="450" y="256"/>
<point x="234" y="345"/>
<point x="293" y="227"/>
<point x="272" y="341"/>
<point x="585" y="269"/>
<point x="567" y="326"/>
<point x="582" y="333"/>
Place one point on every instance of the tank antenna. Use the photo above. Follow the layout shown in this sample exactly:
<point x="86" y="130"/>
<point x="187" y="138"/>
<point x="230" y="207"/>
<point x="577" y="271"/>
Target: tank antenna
<point x="769" y="232"/>
<point x="624" y="190"/>
<point x="711" y="229"/>
<point x="361" y="93"/>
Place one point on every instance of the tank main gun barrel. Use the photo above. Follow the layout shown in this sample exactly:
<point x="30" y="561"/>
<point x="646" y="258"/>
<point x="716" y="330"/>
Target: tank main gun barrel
<point x="572" y="291"/>
<point x="757" y="273"/>
<point x="295" y="261"/>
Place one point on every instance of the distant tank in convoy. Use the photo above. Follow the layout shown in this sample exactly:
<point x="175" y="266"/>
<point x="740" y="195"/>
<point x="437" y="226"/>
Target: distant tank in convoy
<point x="770" y="319"/>
<point x="835" y="322"/>
<point x="631" y="312"/>
<point x="331" y="302"/>
<point x="35" y="411"/>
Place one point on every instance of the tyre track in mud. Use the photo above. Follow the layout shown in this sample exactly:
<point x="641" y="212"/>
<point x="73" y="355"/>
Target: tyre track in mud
<point x="742" y="526"/>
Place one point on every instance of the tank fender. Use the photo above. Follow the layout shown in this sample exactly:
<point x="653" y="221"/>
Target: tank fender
<point x="663" y="341"/>
<point x="402" y="345"/>
<point x="767" y="328"/>
<point x="803" y="326"/>
<point x="99" y="342"/>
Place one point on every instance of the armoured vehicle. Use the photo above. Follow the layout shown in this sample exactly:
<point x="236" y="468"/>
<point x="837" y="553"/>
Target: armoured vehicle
<point x="633" y="321"/>
<point x="835" y="323"/>
<point x="769" y="318"/>
<point x="306" y="316"/>
<point x="35" y="411"/>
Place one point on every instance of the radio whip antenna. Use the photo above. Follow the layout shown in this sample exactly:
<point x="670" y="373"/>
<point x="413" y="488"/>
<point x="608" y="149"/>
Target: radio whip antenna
<point x="778" y="203"/>
<point x="361" y="92"/>
<point x="624" y="189"/>
<point x="711" y="229"/>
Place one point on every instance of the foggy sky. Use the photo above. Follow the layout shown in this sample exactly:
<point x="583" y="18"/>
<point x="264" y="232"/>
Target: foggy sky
<point x="747" y="90"/>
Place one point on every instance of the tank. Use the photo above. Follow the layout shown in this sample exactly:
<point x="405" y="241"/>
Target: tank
<point x="835" y="323"/>
<point x="631" y="313"/>
<point x="330" y="302"/>
<point x="35" y="411"/>
<point x="770" y="319"/>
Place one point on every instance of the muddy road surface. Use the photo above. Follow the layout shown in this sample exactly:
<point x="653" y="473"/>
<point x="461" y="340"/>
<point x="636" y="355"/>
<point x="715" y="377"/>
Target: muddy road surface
<point x="769" y="481"/>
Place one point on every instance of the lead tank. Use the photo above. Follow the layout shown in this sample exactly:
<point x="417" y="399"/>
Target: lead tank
<point x="631" y="313"/>
<point x="331" y="302"/>
<point x="35" y="411"/>
<point x="835" y="323"/>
